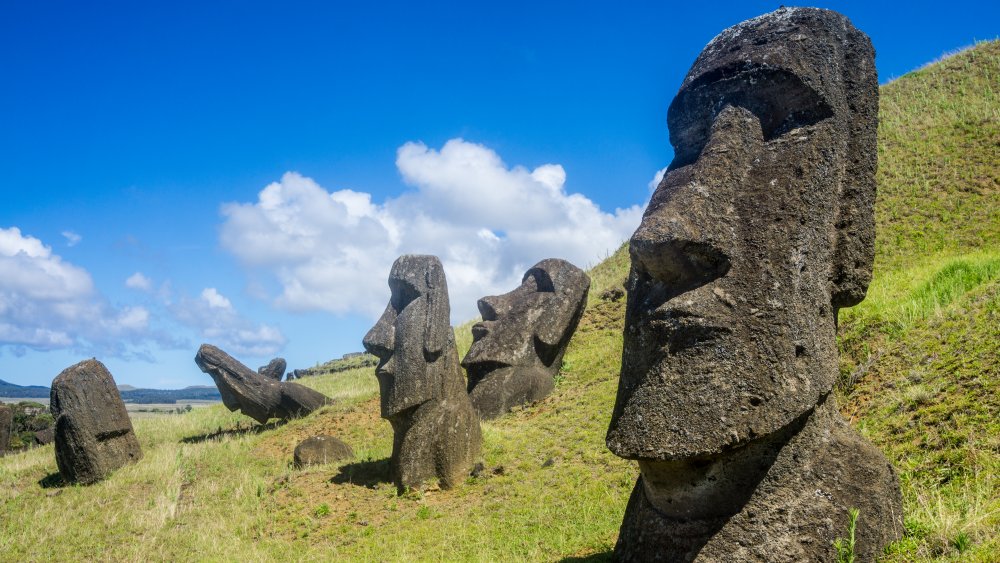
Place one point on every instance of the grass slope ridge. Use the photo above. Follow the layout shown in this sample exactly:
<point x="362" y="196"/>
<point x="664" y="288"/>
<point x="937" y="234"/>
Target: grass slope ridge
<point x="919" y="379"/>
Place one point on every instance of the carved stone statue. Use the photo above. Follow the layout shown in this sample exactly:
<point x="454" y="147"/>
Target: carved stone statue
<point x="760" y="231"/>
<point x="275" y="369"/>
<point x="93" y="433"/>
<point x="255" y="395"/>
<point x="518" y="347"/>
<point x="436" y="433"/>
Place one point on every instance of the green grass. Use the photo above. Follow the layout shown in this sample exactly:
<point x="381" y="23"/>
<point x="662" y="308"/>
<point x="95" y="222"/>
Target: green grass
<point x="920" y="379"/>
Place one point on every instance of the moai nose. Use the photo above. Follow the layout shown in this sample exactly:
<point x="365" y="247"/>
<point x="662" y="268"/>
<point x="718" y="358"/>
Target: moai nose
<point x="381" y="339"/>
<point x="492" y="307"/>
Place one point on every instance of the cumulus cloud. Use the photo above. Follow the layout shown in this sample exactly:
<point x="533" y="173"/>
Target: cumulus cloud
<point x="47" y="303"/>
<point x="657" y="178"/>
<point x="72" y="239"/>
<point x="139" y="281"/>
<point x="487" y="221"/>
<point x="218" y="322"/>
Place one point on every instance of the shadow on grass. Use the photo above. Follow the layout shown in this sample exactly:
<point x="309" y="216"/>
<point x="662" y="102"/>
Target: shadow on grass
<point x="233" y="432"/>
<point x="592" y="558"/>
<point x="369" y="473"/>
<point x="52" y="481"/>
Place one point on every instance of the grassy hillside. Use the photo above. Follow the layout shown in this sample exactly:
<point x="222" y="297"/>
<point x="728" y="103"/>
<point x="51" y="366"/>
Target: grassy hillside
<point x="919" y="370"/>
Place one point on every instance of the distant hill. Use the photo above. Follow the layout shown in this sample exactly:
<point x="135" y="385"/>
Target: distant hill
<point x="129" y="393"/>
<point x="23" y="391"/>
<point x="194" y="393"/>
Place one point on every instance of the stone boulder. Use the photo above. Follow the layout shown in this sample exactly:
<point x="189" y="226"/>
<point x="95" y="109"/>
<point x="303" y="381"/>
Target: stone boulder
<point x="760" y="231"/>
<point x="93" y="434"/>
<point x="256" y="396"/>
<point x="517" y="348"/>
<point x="320" y="450"/>
<point x="43" y="437"/>
<point x="436" y="434"/>
<point x="6" y="423"/>
<point x="275" y="369"/>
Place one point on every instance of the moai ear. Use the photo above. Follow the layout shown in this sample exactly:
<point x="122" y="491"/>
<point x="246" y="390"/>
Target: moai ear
<point x="438" y="321"/>
<point x="855" y="222"/>
<point x="569" y="286"/>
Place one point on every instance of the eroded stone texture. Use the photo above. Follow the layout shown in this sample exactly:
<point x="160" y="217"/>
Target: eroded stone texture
<point x="275" y="369"/>
<point x="761" y="229"/>
<point x="320" y="450"/>
<point x="93" y="434"/>
<point x="518" y="347"/>
<point x="254" y="395"/>
<point x="6" y="421"/>
<point x="436" y="433"/>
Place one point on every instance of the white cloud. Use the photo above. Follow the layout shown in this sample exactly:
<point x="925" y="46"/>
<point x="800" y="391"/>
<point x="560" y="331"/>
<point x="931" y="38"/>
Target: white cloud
<point x="214" y="299"/>
<point x="486" y="221"/>
<point x="218" y="323"/>
<point x="139" y="281"/>
<point x="47" y="303"/>
<point x="657" y="178"/>
<point x="72" y="239"/>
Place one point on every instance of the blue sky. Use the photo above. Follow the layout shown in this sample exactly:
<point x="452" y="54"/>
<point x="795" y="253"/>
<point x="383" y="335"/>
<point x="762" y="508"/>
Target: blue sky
<point x="244" y="173"/>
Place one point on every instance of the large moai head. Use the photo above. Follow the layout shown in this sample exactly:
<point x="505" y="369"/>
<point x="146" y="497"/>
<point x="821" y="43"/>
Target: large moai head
<point x="530" y="326"/>
<point x="93" y="432"/>
<point x="413" y="335"/>
<point x="760" y="231"/>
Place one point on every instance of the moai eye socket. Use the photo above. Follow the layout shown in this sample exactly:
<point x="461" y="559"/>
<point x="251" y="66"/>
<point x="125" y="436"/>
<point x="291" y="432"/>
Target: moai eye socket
<point x="780" y="100"/>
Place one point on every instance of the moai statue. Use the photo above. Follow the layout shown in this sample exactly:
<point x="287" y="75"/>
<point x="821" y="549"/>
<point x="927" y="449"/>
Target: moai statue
<point x="93" y="433"/>
<point x="761" y="230"/>
<point x="256" y="395"/>
<point x="436" y="432"/>
<point x="518" y="347"/>
<point x="275" y="369"/>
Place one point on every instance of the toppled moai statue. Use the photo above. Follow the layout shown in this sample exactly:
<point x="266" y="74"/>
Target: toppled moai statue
<point x="760" y="231"/>
<point x="275" y="369"/>
<point x="6" y="422"/>
<point x="254" y="395"/>
<point x="436" y="432"/>
<point x="320" y="450"/>
<point x="93" y="433"/>
<point x="518" y="347"/>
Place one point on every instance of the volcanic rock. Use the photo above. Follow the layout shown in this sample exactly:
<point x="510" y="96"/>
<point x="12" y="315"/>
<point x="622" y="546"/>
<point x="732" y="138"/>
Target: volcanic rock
<point x="93" y="434"/>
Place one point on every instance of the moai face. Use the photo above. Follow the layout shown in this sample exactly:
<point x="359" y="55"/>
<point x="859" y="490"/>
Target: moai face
<point x="760" y="230"/>
<point x="531" y="325"/>
<point x="411" y="335"/>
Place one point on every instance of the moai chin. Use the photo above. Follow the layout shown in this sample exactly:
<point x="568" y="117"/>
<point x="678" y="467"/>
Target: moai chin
<point x="761" y="229"/>
<point x="518" y="347"/>
<point x="436" y="432"/>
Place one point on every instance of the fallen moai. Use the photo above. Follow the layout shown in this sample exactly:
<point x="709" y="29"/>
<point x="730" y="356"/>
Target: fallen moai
<point x="275" y="369"/>
<point x="760" y="231"/>
<point x="254" y="395"/>
<point x="436" y="432"/>
<point x="320" y="450"/>
<point x="518" y="347"/>
<point x="93" y="434"/>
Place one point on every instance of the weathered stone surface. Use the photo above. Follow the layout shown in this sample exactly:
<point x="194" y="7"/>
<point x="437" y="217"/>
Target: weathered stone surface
<point x="6" y="422"/>
<point x="518" y="347"/>
<point x="436" y="433"/>
<point x="43" y="437"/>
<point x="275" y="369"/>
<point x="254" y="395"/>
<point x="761" y="229"/>
<point x="320" y="450"/>
<point x="93" y="434"/>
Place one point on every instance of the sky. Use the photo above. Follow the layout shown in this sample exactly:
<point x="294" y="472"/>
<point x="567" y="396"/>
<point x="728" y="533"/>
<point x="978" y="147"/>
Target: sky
<point x="245" y="173"/>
